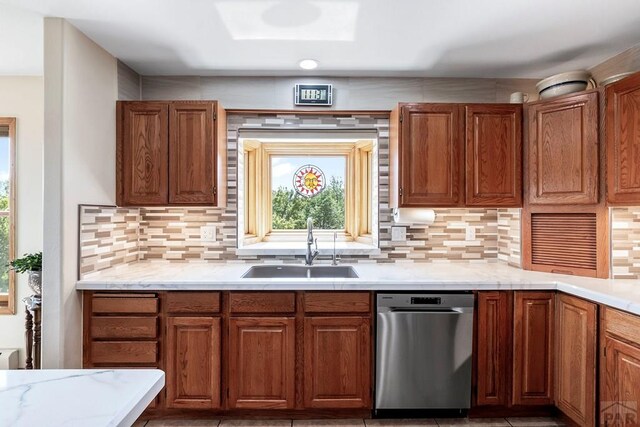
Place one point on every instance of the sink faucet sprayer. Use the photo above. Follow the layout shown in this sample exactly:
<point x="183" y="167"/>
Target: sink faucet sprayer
<point x="310" y="256"/>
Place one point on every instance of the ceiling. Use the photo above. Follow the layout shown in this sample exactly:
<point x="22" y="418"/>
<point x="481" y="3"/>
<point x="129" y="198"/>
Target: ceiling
<point x="438" y="38"/>
<point x="21" y="44"/>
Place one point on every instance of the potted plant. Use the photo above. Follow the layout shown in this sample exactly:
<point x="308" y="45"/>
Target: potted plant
<point x="31" y="264"/>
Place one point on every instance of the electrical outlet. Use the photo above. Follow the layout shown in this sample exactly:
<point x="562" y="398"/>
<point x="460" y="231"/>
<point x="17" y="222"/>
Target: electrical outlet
<point x="470" y="233"/>
<point x="208" y="233"/>
<point x="398" y="234"/>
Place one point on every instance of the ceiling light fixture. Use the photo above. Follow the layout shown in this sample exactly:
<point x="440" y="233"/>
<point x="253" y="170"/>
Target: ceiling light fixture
<point x="308" y="64"/>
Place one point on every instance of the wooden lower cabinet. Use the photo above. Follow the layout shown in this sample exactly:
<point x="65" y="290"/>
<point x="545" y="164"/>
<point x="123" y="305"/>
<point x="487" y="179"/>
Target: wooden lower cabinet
<point x="514" y="361"/>
<point x="533" y="314"/>
<point x="262" y="362"/>
<point x="576" y="336"/>
<point x="337" y="356"/>
<point x="493" y="348"/>
<point x="193" y="362"/>
<point x="620" y="369"/>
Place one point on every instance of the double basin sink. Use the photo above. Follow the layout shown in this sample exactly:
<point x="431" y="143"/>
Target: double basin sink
<point x="300" y="272"/>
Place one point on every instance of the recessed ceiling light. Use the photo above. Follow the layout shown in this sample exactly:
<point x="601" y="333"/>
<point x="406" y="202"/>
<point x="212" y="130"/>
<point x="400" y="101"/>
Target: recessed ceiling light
<point x="308" y="64"/>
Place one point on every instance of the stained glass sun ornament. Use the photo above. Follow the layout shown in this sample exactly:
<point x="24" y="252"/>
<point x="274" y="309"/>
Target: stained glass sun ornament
<point x="309" y="181"/>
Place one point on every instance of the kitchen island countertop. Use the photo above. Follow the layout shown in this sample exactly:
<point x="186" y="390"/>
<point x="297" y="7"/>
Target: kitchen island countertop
<point x="168" y="276"/>
<point x="76" y="397"/>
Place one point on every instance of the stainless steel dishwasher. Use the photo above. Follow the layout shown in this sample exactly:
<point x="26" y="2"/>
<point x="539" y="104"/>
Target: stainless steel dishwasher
<point x="423" y="351"/>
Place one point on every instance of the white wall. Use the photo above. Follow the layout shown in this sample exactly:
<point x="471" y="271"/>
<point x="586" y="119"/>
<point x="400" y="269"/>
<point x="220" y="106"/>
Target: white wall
<point x="80" y="94"/>
<point x="23" y="98"/>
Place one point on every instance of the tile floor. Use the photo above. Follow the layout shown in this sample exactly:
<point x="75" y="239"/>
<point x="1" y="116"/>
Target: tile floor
<point x="442" y="422"/>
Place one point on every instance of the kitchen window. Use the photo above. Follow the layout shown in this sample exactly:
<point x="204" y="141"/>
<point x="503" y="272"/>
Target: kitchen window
<point x="285" y="182"/>
<point x="7" y="213"/>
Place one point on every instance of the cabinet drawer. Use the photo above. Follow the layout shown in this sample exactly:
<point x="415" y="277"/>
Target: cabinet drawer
<point x="262" y="302"/>
<point x="124" y="352"/>
<point x="124" y="327"/>
<point x="337" y="302"/>
<point x="124" y="305"/>
<point x="623" y="325"/>
<point x="193" y="302"/>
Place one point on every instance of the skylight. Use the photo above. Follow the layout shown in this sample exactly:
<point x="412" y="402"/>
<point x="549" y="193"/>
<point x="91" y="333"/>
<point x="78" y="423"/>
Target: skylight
<point x="316" y="20"/>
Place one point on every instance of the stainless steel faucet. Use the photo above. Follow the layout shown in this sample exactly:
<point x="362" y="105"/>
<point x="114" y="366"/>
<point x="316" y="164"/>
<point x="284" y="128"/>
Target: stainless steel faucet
<point x="336" y="258"/>
<point x="311" y="255"/>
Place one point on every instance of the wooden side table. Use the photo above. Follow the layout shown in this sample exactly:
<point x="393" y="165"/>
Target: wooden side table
<point x="32" y="334"/>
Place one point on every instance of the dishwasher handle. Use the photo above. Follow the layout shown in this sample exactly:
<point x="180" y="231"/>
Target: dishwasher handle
<point x="429" y="310"/>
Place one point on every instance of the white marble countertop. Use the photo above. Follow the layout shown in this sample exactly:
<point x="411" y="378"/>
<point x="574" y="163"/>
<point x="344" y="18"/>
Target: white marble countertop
<point x="76" y="397"/>
<point x="162" y="275"/>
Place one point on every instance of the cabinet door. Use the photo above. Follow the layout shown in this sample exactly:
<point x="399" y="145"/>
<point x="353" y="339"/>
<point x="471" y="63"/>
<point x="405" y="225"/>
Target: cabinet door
<point x="622" y="124"/>
<point x="192" y="153"/>
<point x="337" y="356"/>
<point x="563" y="150"/>
<point x="576" y="358"/>
<point x="533" y="348"/>
<point x="431" y="155"/>
<point x="143" y="154"/>
<point x="262" y="362"/>
<point x="493" y="155"/>
<point x="621" y="384"/>
<point x="493" y="349"/>
<point x="193" y="362"/>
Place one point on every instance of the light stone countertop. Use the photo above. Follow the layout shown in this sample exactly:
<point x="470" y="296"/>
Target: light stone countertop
<point x="76" y="397"/>
<point x="163" y="275"/>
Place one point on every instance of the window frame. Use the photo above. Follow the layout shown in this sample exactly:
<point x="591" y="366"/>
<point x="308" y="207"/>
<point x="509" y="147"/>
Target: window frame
<point x="7" y="301"/>
<point x="358" y="179"/>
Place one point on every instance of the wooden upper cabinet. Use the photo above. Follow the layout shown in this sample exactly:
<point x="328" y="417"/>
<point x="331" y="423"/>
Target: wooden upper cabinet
<point x="337" y="356"/>
<point x="143" y="153"/>
<point x="563" y="150"/>
<point x="622" y="125"/>
<point x="427" y="155"/>
<point x="533" y="314"/>
<point x="192" y="153"/>
<point x="262" y="362"/>
<point x="193" y="362"/>
<point x="493" y="350"/>
<point x="171" y="153"/>
<point x="493" y="154"/>
<point x="434" y="147"/>
<point x="576" y="334"/>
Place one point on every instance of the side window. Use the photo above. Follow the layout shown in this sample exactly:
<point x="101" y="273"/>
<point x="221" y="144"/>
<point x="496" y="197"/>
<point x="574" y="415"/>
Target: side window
<point x="7" y="210"/>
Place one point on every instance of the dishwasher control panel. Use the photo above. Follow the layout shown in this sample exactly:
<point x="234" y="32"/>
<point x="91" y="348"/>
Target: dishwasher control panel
<point x="426" y="300"/>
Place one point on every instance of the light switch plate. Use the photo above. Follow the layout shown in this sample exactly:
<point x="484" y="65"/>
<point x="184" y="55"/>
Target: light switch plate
<point x="470" y="234"/>
<point x="208" y="233"/>
<point x="398" y="234"/>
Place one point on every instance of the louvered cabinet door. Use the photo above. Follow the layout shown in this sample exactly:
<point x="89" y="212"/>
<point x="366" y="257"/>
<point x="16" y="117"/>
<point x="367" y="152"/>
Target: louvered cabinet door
<point x="565" y="242"/>
<point x="622" y="123"/>
<point x="563" y="151"/>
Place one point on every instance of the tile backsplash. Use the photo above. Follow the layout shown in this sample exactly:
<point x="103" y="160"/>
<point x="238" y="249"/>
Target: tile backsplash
<point x="113" y="236"/>
<point x="509" y="238"/>
<point x="173" y="233"/>
<point x="108" y="237"/>
<point x="625" y="243"/>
